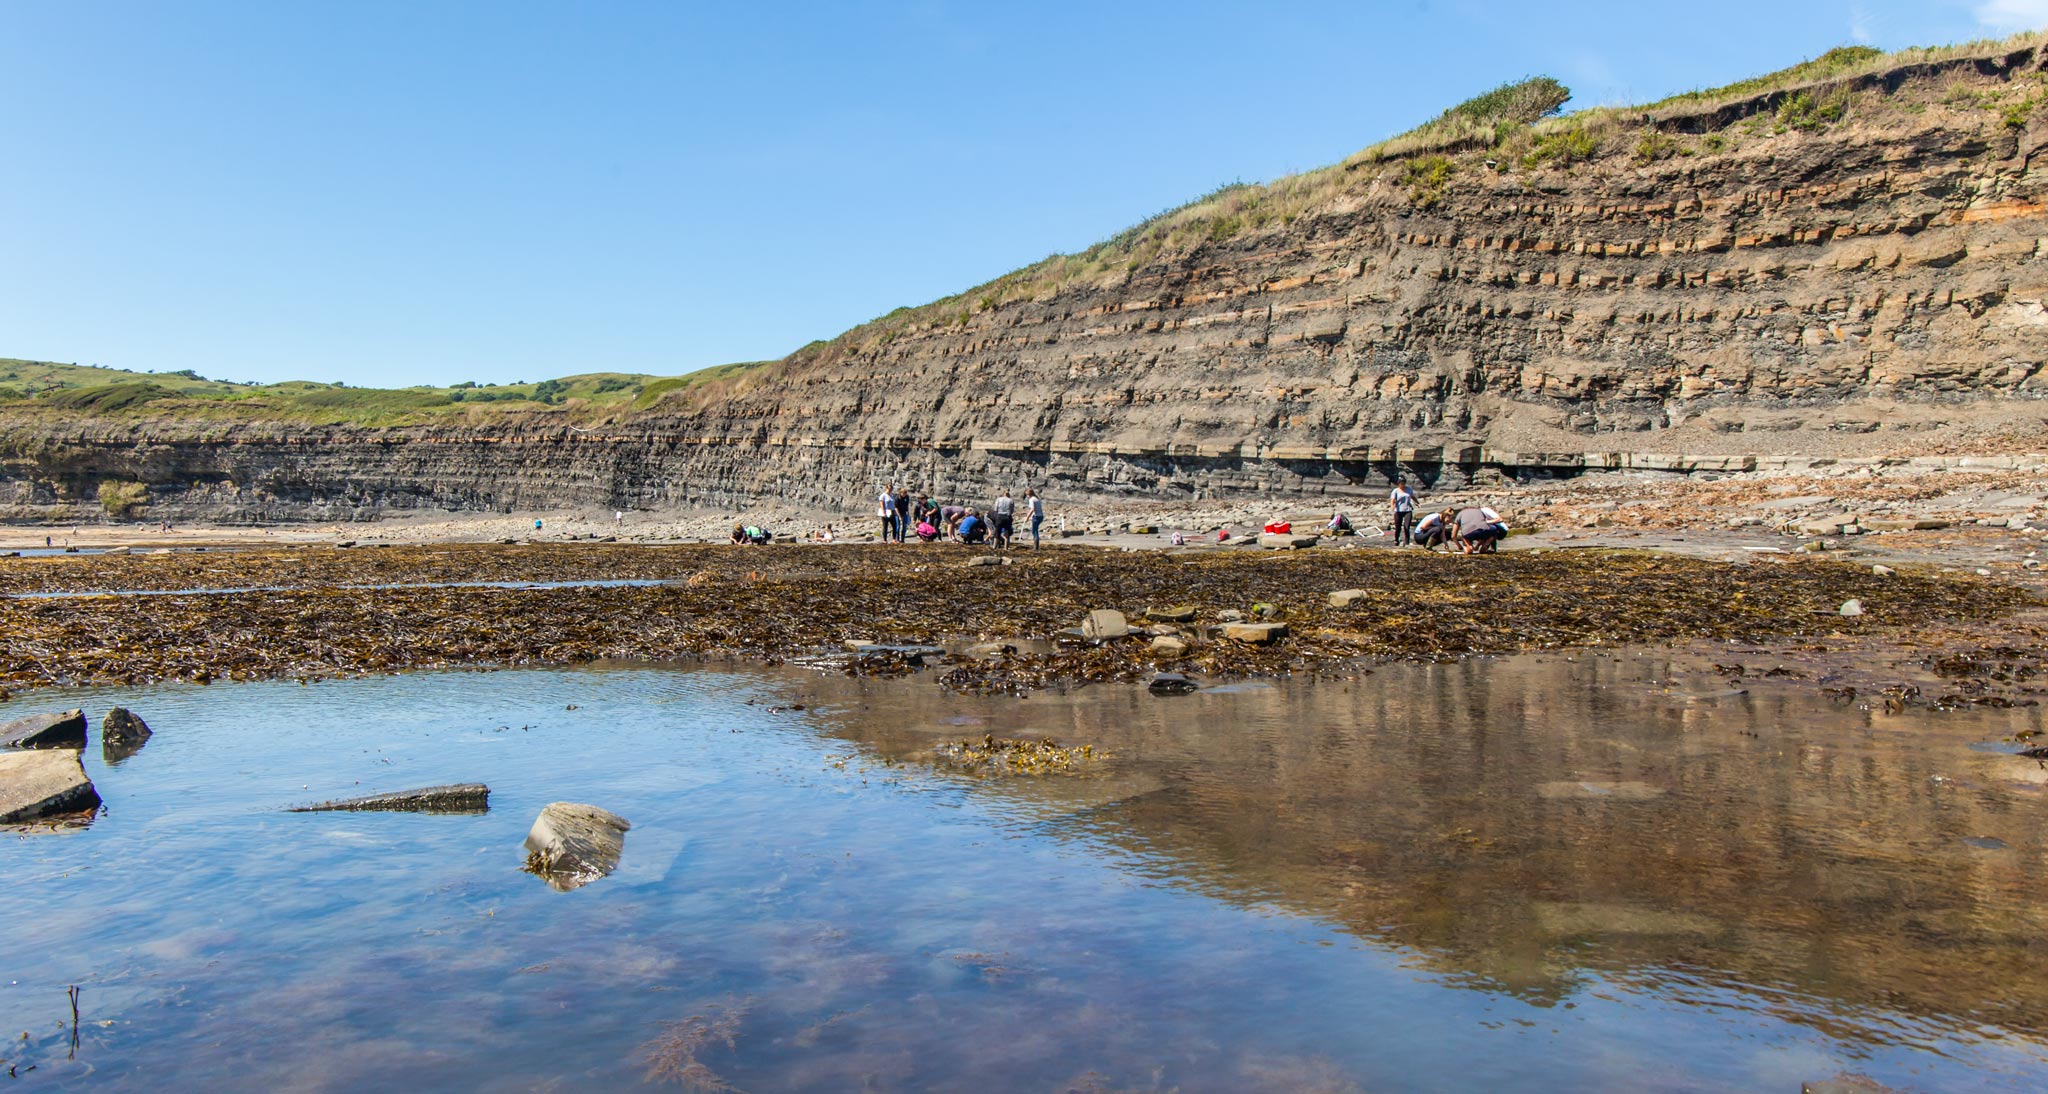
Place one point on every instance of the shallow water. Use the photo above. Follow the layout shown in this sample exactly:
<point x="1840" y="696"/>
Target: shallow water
<point x="1551" y="873"/>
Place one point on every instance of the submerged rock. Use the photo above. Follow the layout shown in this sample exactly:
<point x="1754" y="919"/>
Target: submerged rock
<point x="61" y="730"/>
<point x="453" y="798"/>
<point x="572" y="845"/>
<point x="1171" y="683"/>
<point x="1105" y="624"/>
<point x="42" y="783"/>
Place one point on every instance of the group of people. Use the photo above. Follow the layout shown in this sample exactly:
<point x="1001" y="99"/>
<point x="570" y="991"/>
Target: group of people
<point x="904" y="516"/>
<point x="1472" y="530"/>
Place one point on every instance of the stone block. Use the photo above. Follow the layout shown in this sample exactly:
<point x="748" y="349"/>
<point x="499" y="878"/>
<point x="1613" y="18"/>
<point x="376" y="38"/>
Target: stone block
<point x="61" y="730"/>
<point x="41" y="783"/>
<point x="1255" y="633"/>
<point x="1105" y="624"/>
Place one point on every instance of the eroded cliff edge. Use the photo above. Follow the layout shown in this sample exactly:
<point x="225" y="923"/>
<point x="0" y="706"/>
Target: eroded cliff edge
<point x="1850" y="267"/>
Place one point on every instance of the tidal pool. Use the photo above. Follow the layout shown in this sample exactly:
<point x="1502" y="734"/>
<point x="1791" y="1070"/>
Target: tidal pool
<point x="1552" y="873"/>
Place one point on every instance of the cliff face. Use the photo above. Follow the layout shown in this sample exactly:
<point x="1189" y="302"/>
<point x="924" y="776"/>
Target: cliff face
<point x="1747" y="279"/>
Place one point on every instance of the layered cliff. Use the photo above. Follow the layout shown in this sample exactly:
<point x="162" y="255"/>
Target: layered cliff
<point x="1850" y="260"/>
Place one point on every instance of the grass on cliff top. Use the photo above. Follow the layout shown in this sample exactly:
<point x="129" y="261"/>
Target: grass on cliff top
<point x="105" y="392"/>
<point x="1513" y="127"/>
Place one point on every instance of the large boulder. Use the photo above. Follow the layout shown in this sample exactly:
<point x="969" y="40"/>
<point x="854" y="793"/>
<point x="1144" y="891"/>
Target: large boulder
<point x="41" y="783"/>
<point x="453" y="798"/>
<point x="62" y="730"/>
<point x="1105" y="624"/>
<point x="572" y="845"/>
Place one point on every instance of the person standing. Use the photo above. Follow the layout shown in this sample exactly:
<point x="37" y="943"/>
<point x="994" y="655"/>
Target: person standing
<point x="886" y="509"/>
<point x="1403" y="501"/>
<point x="1035" y="510"/>
<point x="1000" y="519"/>
<point x="902" y="514"/>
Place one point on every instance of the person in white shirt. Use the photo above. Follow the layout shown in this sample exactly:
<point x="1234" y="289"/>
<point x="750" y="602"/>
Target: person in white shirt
<point x="887" y="511"/>
<point x="1403" y="501"/>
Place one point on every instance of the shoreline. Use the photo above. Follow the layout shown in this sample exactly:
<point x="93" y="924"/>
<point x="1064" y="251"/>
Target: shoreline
<point x="1923" y="638"/>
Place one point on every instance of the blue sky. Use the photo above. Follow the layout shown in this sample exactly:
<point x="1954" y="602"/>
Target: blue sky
<point x="433" y="191"/>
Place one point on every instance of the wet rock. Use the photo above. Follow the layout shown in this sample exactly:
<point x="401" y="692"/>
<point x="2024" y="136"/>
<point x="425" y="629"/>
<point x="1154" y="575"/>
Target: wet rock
<point x="453" y="798"/>
<point x="1167" y="645"/>
<point x="1593" y="790"/>
<point x="63" y="730"/>
<point x="1344" y="598"/>
<point x="1104" y="624"/>
<point x="1170" y="683"/>
<point x="1852" y="608"/>
<point x="1560" y="919"/>
<point x="1274" y="542"/>
<point x="1255" y="633"/>
<point x="122" y="727"/>
<point x="572" y="845"/>
<point x="1182" y="614"/>
<point x="43" y="783"/>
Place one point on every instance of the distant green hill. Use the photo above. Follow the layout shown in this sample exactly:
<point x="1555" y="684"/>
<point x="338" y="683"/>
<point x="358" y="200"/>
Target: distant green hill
<point x="94" y="390"/>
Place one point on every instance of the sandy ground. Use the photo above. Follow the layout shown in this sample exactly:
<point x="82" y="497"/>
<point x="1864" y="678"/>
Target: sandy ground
<point x="1991" y="520"/>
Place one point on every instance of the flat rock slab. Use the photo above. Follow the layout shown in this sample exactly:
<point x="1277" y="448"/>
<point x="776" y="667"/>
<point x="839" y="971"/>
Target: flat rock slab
<point x="1589" y="790"/>
<point x="41" y="783"/>
<point x="453" y="798"/>
<point x="1275" y="542"/>
<point x="1344" y="598"/>
<point x="63" y="730"/>
<point x="572" y="845"/>
<point x="1256" y="633"/>
<point x="1182" y="614"/>
<point x="1910" y="524"/>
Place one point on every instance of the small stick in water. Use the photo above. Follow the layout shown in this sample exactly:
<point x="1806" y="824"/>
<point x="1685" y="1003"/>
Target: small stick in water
<point x="72" y="991"/>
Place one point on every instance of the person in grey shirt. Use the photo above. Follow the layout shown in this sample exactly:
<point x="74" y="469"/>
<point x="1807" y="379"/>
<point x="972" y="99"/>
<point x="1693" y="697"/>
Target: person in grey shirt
<point x="1001" y="517"/>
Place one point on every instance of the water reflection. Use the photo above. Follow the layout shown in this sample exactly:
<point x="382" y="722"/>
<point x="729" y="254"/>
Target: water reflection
<point x="1518" y="823"/>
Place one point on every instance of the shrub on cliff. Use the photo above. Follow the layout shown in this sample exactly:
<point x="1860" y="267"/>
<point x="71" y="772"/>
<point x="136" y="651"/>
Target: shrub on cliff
<point x="119" y="499"/>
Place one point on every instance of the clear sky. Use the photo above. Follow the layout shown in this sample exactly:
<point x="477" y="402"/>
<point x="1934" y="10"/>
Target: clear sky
<point x="421" y="191"/>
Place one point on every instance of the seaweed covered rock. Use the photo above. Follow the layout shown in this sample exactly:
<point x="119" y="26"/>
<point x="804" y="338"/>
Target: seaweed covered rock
<point x="122" y="727"/>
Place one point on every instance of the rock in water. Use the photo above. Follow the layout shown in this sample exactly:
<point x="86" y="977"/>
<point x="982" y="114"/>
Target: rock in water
<point x="572" y="845"/>
<point x="1170" y="683"/>
<point x="65" y="730"/>
<point x="1105" y="624"/>
<point x="454" y="798"/>
<point x="41" y="783"/>
<point x="121" y="727"/>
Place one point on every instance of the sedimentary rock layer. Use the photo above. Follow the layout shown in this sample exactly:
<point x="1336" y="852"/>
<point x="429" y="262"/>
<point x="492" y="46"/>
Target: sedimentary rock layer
<point x="1705" y="288"/>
